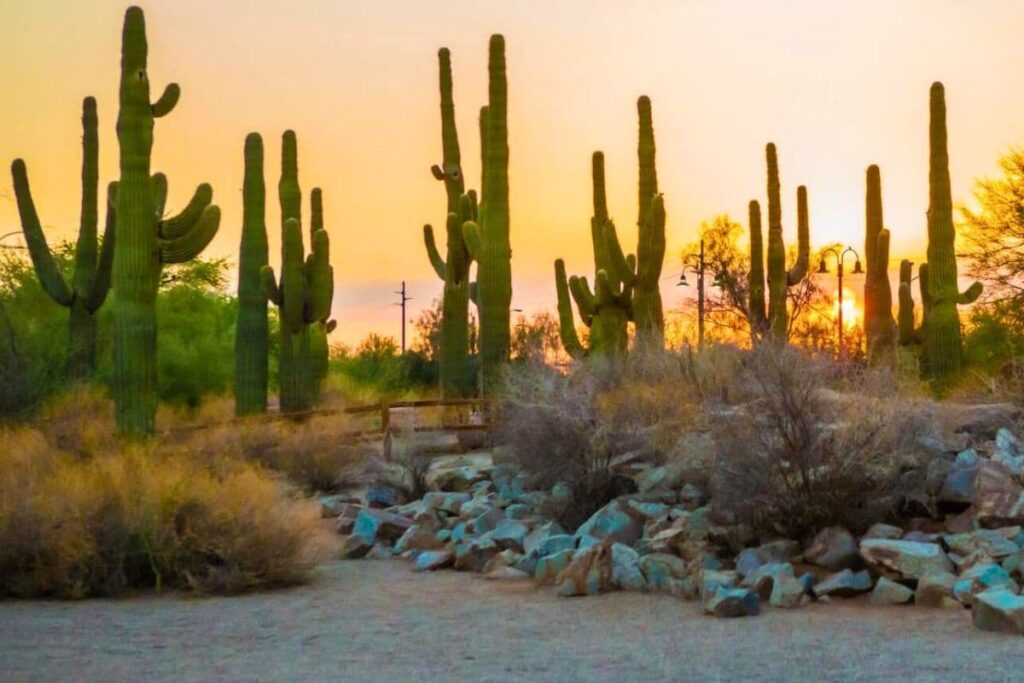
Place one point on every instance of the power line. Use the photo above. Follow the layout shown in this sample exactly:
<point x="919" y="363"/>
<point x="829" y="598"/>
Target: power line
<point x="404" y="298"/>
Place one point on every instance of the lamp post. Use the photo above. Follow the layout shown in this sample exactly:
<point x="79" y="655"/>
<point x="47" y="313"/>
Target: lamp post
<point x="11" y="234"/>
<point x="696" y="268"/>
<point x="857" y="270"/>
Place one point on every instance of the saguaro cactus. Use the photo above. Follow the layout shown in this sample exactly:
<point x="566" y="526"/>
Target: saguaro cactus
<point x="607" y="309"/>
<point x="755" y="279"/>
<point x="650" y="252"/>
<point x="488" y="238"/>
<point x="879" y="326"/>
<point x="942" y="339"/>
<point x="909" y="335"/>
<point x="305" y="289"/>
<point x="145" y="241"/>
<point x="91" y="279"/>
<point x="321" y="327"/>
<point x="779" y="279"/>
<point x="454" y="269"/>
<point x="251" y="334"/>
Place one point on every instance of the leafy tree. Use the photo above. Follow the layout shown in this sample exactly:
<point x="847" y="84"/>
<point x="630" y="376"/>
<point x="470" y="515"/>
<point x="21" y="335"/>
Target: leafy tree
<point x="536" y="339"/>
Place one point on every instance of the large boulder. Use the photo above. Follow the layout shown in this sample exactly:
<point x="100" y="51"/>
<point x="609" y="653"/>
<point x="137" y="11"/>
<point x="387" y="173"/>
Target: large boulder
<point x="380" y="497"/>
<point x="540" y="533"/>
<point x="835" y="549"/>
<point x="732" y="603"/>
<point x="763" y="579"/>
<point x="887" y="531"/>
<point x="590" y="573"/>
<point x="432" y="560"/>
<point x="773" y="552"/>
<point x="984" y="421"/>
<point x="711" y="580"/>
<point x="904" y="559"/>
<point x="356" y="547"/>
<point x="449" y="502"/>
<point x="663" y="572"/>
<point x="417" y="538"/>
<point x="999" y="496"/>
<point x="999" y="610"/>
<point x="459" y="478"/>
<point x="474" y="555"/>
<point x="509" y="534"/>
<point x="347" y="513"/>
<point x="844" y="584"/>
<point x="549" y="567"/>
<point x="332" y="506"/>
<point x="626" y="573"/>
<point x="888" y="592"/>
<point x="668" y="476"/>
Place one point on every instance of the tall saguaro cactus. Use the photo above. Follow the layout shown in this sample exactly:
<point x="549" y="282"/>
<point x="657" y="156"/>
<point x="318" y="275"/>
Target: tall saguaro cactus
<point x="942" y="339"/>
<point x="322" y="326"/>
<point x="650" y="253"/>
<point x="91" y="279"/>
<point x="879" y="326"/>
<point x="251" y="330"/>
<point x="454" y="268"/>
<point x="909" y="335"/>
<point x="488" y="238"/>
<point x="755" y="279"/>
<point x="304" y="291"/>
<point x="779" y="278"/>
<point x="145" y="242"/>
<point x="608" y="308"/>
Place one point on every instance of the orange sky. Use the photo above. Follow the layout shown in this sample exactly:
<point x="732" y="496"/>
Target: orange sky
<point x="836" y="88"/>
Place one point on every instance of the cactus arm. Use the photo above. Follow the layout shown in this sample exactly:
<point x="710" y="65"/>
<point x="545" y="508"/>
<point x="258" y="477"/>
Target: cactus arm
<point x="440" y="267"/>
<point x="650" y="253"/>
<point x="167" y="101"/>
<point x="584" y="298"/>
<point x="471" y="235"/>
<point x="85" y="247"/>
<point x="191" y="244"/>
<point x="331" y="326"/>
<point x="450" y="170"/>
<point x="755" y="278"/>
<point x="778" y="315"/>
<point x="799" y="270"/>
<point x="618" y="262"/>
<point x="45" y="265"/>
<point x="99" y="285"/>
<point x="905" y="315"/>
<point x="648" y="185"/>
<point x="971" y="294"/>
<point x="268" y="282"/>
<point x="288" y="190"/>
<point x="566" y="322"/>
<point x="320" y="286"/>
<point x="178" y="226"/>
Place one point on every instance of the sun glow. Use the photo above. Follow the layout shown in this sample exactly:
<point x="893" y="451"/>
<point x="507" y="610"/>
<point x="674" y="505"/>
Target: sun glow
<point x="851" y="310"/>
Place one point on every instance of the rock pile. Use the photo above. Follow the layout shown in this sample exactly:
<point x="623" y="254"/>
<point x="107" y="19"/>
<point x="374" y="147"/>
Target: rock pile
<point x="484" y="519"/>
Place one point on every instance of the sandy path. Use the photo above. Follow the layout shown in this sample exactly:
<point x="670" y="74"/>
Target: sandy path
<point x="375" y="621"/>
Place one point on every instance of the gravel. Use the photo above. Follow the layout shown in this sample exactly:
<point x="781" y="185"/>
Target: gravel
<point x="376" y="621"/>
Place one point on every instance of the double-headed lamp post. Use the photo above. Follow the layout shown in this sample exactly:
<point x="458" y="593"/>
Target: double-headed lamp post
<point x="857" y="270"/>
<point x="696" y="266"/>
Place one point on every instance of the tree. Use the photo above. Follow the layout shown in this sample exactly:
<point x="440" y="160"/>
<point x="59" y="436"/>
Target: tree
<point x="535" y="339"/>
<point x="994" y="236"/>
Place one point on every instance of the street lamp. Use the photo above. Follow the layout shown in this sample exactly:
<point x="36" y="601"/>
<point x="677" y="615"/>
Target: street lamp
<point x="698" y="270"/>
<point x="857" y="270"/>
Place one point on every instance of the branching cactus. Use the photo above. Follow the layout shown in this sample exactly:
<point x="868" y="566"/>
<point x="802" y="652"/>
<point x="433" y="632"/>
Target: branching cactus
<point x="942" y="340"/>
<point x="608" y="308"/>
<point x="321" y="327"/>
<point x="879" y="326"/>
<point x="779" y="278"/>
<point x="487" y="239"/>
<point x="909" y="335"/>
<point x="145" y="241"/>
<point x="454" y="268"/>
<point x="305" y="289"/>
<point x="90" y="281"/>
<point x="251" y="333"/>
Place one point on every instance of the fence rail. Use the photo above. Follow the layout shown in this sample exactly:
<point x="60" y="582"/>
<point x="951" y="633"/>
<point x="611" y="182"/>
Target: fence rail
<point x="382" y="408"/>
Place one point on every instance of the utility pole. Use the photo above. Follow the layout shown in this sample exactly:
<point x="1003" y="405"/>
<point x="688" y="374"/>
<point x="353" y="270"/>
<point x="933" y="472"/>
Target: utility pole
<point x="405" y="298"/>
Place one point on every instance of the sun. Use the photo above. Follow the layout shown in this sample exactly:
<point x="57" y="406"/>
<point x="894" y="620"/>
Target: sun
<point x="851" y="310"/>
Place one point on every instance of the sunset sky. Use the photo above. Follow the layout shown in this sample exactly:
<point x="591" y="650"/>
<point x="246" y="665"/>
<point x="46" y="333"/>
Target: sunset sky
<point x="836" y="87"/>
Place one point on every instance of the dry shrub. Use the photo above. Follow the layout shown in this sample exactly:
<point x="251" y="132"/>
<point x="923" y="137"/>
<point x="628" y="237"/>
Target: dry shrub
<point x="799" y="457"/>
<point x="714" y="370"/>
<point x="80" y="421"/>
<point x="74" y="527"/>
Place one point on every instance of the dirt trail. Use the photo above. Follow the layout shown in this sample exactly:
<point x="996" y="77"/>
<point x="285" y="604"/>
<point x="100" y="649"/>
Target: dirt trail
<point x="376" y="621"/>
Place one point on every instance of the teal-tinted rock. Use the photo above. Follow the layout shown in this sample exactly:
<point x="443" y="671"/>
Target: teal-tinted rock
<point x="991" y="542"/>
<point x="888" y="592"/>
<point x="663" y="572"/>
<point x="550" y="566"/>
<point x="541" y="532"/>
<point x="355" y="547"/>
<point x="626" y="571"/>
<point x="432" y="559"/>
<point x="417" y="538"/>
<point x="835" y="549"/>
<point x="935" y="589"/>
<point x="966" y="458"/>
<point x="763" y="579"/>
<point x="509" y="534"/>
<point x="980" y="578"/>
<point x="449" y="502"/>
<point x="697" y="526"/>
<point x="999" y="610"/>
<point x="555" y="544"/>
<point x="443" y="535"/>
<point x="590" y="574"/>
<point x="1014" y="463"/>
<point x="510" y="490"/>
<point x="379" y="525"/>
<point x="1007" y="443"/>
<point x="647" y="511"/>
<point x="460" y="478"/>
<point x="844" y="584"/>
<point x="517" y="512"/>
<point x="484" y="522"/>
<point x="905" y="559"/>
<point x="886" y="531"/>
<point x="474" y="555"/>
<point x="382" y="497"/>
<point x="733" y="602"/>
<point x="613" y="523"/>
<point x="787" y="591"/>
<point x="713" y="580"/>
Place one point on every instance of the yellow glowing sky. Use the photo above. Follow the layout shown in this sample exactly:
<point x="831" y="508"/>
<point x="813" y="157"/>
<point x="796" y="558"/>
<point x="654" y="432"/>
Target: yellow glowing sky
<point x="836" y="86"/>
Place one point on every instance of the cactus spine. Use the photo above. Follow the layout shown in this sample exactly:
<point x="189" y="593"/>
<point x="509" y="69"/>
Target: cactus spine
<point x="453" y="270"/>
<point x="879" y="326"/>
<point x="779" y="279"/>
<point x="607" y="309"/>
<point x="251" y="335"/>
<point x="488" y="239"/>
<point x="942" y="339"/>
<point x="91" y="278"/>
<point x="145" y="241"/>
<point x="305" y="289"/>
